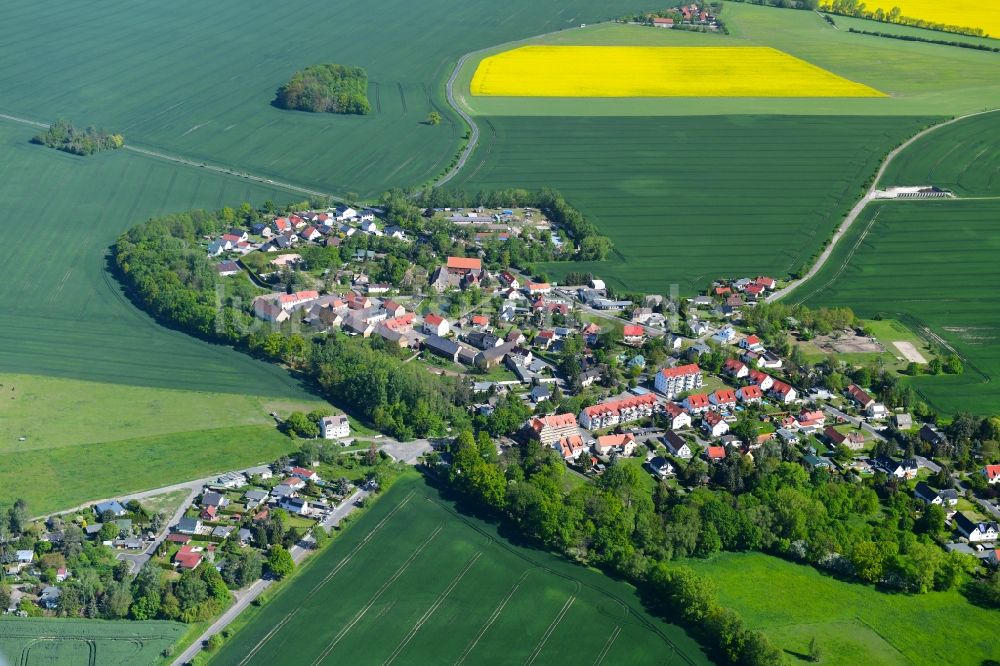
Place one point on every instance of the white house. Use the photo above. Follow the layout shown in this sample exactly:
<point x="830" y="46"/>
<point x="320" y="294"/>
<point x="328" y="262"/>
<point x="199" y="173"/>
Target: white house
<point x="436" y="325"/>
<point x="713" y="424"/>
<point x="976" y="531"/>
<point x="679" y="418"/>
<point x="335" y="427"/>
<point x="676" y="445"/>
<point x="671" y="381"/>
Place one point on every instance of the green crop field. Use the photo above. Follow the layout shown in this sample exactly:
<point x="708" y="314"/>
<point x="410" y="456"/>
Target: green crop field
<point x="962" y="157"/>
<point x="687" y="200"/>
<point x="62" y="642"/>
<point x="852" y="623"/>
<point x="929" y="264"/>
<point x="79" y="364"/>
<point x="198" y="78"/>
<point x="920" y="79"/>
<point x="414" y="582"/>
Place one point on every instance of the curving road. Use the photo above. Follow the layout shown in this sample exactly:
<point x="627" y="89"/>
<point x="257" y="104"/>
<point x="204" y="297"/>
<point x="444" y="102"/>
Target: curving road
<point x="473" y="128"/>
<point x="858" y="207"/>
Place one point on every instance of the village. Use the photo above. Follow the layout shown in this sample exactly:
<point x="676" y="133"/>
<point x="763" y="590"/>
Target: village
<point x="679" y="387"/>
<point x="230" y="523"/>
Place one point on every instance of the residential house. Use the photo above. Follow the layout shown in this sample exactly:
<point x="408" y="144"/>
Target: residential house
<point x="188" y="526"/>
<point x="538" y="288"/>
<point x="715" y="453"/>
<point x="188" y="558"/>
<point x="114" y="506"/>
<point x="49" y="598"/>
<point x="435" y="324"/>
<point x="633" y="334"/>
<point x="660" y="22"/>
<point x="660" y="467"/>
<point x="902" y="421"/>
<point x="926" y="494"/>
<point x="677" y="416"/>
<point x="570" y="447"/>
<point x="860" y="397"/>
<point x="714" y="425"/>
<point x="788" y="436"/>
<point x="227" y="269"/>
<point x="552" y="428"/>
<point x="906" y="469"/>
<point x="623" y="444"/>
<point x="214" y="499"/>
<point x="992" y="473"/>
<point x="254" y="498"/>
<point x="932" y="436"/>
<point x="294" y="505"/>
<point x="854" y="440"/>
<point x="735" y="369"/>
<point x="750" y="394"/>
<point x="292" y="483"/>
<point x="614" y="412"/>
<point x="752" y="343"/>
<point x="335" y="427"/>
<point x="676" y="445"/>
<point x="724" y="398"/>
<point x="672" y="381"/>
<point x="696" y="403"/>
<point x="539" y="393"/>
<point x="783" y="392"/>
<point x="725" y="335"/>
<point x="976" y="531"/>
<point x="393" y="309"/>
<point x="761" y="379"/>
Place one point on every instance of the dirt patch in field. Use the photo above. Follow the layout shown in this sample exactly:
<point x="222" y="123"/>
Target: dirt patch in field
<point x="847" y="342"/>
<point x="909" y="351"/>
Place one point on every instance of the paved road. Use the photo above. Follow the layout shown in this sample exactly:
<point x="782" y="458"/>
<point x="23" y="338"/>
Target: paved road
<point x="138" y="560"/>
<point x="246" y="596"/>
<point x="473" y="128"/>
<point x="858" y="207"/>
<point x="855" y="421"/>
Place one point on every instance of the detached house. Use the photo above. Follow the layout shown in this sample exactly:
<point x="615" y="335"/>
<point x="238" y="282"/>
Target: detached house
<point x="783" y="392"/>
<point x="623" y="444"/>
<point x="750" y="394"/>
<point x="736" y="369"/>
<point x="633" y="334"/>
<point x="854" y="440"/>
<point x="696" y="403"/>
<point x="436" y="325"/>
<point x="335" y="427"/>
<point x="677" y="416"/>
<point x="713" y="424"/>
<point x="928" y="495"/>
<point x="570" y="447"/>
<point x="860" y="397"/>
<point x="676" y="445"/>
<point x="976" y="531"/>
<point x="992" y="473"/>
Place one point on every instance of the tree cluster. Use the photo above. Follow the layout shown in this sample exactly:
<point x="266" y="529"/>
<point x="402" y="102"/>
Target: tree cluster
<point x="858" y="9"/>
<point x="61" y="135"/>
<point x="328" y="88"/>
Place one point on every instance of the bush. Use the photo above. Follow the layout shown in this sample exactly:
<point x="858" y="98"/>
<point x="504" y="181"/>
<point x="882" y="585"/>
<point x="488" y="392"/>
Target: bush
<point x="327" y="88"/>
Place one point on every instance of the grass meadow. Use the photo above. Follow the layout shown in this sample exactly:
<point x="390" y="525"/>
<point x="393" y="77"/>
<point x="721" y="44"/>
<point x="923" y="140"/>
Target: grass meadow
<point x="414" y="582"/>
<point x="198" y="78"/>
<point x="927" y="263"/>
<point x="962" y="157"/>
<point x="686" y="200"/>
<point x="852" y="623"/>
<point x="61" y="477"/>
<point x="69" y="642"/>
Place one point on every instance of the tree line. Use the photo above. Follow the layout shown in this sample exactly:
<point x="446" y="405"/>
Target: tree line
<point x="857" y="9"/>
<point x="61" y="135"/>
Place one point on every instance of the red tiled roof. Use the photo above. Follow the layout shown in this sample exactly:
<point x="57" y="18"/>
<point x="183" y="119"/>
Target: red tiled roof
<point x="606" y="441"/>
<point x="698" y="400"/>
<point x="480" y="320"/>
<point x="681" y="371"/>
<point x="618" y="405"/>
<point x="433" y="319"/>
<point x="552" y="421"/>
<point x="750" y="392"/>
<point x="713" y="418"/>
<point x="992" y="471"/>
<point x="632" y="331"/>
<point x="725" y="395"/>
<point x="465" y="263"/>
<point x="715" y="452"/>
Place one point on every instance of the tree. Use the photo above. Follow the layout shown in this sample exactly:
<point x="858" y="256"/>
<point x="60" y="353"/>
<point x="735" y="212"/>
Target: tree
<point x="815" y="654"/>
<point x="279" y="561"/>
<point x="433" y="118"/>
<point x="298" y="425"/>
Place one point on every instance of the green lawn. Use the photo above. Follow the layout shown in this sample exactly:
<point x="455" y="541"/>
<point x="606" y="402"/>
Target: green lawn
<point x="927" y="264"/>
<point x="687" y="200"/>
<point x="415" y="582"/>
<point x="853" y="624"/>
<point x="64" y="642"/>
<point x="60" y="477"/>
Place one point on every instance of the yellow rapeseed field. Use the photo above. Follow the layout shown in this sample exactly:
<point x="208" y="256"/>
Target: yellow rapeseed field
<point x="984" y="15"/>
<point x="657" y="71"/>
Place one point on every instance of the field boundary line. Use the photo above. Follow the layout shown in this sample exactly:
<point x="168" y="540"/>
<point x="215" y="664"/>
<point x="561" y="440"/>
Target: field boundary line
<point x="638" y="617"/>
<point x="263" y="641"/>
<point x="860" y="205"/>
<point x="551" y="630"/>
<point x="361" y="544"/>
<point x="375" y="597"/>
<point x="607" y="645"/>
<point x="177" y="159"/>
<point x="430" y="611"/>
<point x="497" y="612"/>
